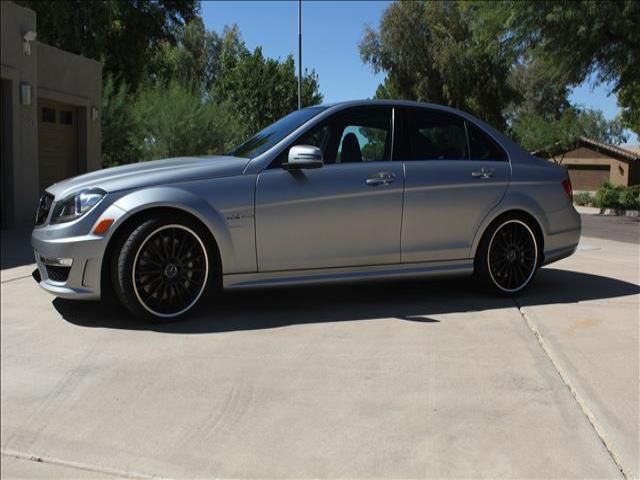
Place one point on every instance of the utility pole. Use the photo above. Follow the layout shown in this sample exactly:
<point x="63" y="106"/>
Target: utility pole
<point x="299" y="54"/>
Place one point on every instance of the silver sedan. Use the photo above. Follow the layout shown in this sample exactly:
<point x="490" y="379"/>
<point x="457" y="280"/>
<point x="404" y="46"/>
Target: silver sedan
<point x="346" y="192"/>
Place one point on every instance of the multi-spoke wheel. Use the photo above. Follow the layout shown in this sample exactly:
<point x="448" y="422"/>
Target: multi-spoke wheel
<point x="163" y="268"/>
<point x="508" y="256"/>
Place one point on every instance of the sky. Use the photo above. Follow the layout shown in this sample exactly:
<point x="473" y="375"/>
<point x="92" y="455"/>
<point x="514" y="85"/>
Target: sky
<point x="331" y="32"/>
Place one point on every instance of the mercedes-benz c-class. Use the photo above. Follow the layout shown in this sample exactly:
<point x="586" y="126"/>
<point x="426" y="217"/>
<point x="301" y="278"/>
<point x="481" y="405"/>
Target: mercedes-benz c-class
<point x="353" y="191"/>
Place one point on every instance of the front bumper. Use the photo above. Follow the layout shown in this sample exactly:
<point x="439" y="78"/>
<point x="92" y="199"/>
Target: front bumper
<point x="55" y="246"/>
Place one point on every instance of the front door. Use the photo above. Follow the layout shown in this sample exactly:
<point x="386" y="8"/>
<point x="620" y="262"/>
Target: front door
<point x="455" y="175"/>
<point x="346" y="213"/>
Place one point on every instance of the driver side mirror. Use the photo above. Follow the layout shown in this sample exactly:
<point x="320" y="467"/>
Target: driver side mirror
<point x="303" y="156"/>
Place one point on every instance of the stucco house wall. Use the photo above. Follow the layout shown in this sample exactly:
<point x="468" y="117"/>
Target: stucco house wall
<point x="619" y="172"/>
<point x="19" y="122"/>
<point x="44" y="73"/>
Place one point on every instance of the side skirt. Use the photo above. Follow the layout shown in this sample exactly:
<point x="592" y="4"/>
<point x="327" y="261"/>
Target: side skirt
<point x="348" y="274"/>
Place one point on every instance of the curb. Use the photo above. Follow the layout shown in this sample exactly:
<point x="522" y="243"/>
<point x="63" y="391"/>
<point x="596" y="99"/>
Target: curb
<point x="606" y="211"/>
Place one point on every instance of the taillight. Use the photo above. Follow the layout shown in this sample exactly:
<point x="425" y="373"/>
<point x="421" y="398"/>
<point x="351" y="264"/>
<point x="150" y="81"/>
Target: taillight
<point x="566" y="184"/>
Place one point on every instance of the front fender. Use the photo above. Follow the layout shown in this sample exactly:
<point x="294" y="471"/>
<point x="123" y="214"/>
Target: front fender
<point x="196" y="203"/>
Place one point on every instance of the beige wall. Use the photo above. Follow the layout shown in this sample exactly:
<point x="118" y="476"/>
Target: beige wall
<point x="72" y="79"/>
<point x="20" y="158"/>
<point x="52" y="74"/>
<point x="619" y="173"/>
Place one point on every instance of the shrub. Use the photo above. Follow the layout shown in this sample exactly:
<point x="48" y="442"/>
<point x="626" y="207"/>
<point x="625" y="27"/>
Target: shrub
<point x="175" y="121"/>
<point x="629" y="197"/>
<point x="583" y="198"/>
<point x="610" y="196"/>
<point x="121" y="138"/>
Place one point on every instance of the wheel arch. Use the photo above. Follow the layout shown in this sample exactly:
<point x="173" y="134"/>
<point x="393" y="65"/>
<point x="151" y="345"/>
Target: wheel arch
<point x="532" y="219"/>
<point x="129" y="223"/>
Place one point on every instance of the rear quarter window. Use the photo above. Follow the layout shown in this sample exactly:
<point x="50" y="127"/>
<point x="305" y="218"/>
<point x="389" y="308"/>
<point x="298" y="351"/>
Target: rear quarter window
<point x="482" y="147"/>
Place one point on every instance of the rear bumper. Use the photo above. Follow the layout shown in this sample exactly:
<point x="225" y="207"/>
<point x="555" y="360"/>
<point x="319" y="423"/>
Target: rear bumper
<point x="562" y="240"/>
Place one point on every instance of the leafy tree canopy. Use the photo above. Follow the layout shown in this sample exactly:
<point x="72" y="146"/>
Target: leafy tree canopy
<point x="576" y="40"/>
<point x="120" y="33"/>
<point x="261" y="90"/>
<point x="537" y="132"/>
<point x="204" y="94"/>
<point x="430" y="53"/>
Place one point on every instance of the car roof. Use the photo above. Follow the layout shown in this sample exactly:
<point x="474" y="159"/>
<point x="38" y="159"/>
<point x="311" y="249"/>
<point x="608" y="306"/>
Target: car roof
<point x="390" y="102"/>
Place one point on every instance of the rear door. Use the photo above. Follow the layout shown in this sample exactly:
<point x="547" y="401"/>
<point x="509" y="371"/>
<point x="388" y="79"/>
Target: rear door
<point x="455" y="175"/>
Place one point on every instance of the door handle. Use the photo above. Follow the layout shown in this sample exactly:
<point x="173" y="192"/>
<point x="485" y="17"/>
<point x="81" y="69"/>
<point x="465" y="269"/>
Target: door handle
<point x="381" y="178"/>
<point x="483" y="173"/>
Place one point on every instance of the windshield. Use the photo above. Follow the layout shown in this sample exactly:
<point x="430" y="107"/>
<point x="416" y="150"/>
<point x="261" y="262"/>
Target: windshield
<point x="267" y="138"/>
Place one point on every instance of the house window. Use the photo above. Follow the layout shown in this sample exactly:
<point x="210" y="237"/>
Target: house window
<point x="66" y="117"/>
<point x="48" y="115"/>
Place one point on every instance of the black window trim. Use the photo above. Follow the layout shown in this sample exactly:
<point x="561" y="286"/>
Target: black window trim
<point x="466" y="133"/>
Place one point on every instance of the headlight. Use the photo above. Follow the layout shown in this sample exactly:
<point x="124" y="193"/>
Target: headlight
<point x="76" y="205"/>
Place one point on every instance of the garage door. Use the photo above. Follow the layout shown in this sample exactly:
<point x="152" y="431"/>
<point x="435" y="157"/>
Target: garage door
<point x="57" y="142"/>
<point x="588" y="177"/>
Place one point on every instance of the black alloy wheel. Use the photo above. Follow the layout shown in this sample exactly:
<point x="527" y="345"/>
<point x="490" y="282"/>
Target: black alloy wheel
<point x="512" y="256"/>
<point x="170" y="270"/>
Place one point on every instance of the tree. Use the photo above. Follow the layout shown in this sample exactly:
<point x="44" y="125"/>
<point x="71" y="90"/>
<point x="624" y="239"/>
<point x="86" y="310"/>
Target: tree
<point x="121" y="136"/>
<point x="536" y="132"/>
<point x="120" y="33"/>
<point x="261" y="90"/>
<point x="577" y="40"/>
<point x="173" y="121"/>
<point x="193" y="61"/>
<point x="429" y="52"/>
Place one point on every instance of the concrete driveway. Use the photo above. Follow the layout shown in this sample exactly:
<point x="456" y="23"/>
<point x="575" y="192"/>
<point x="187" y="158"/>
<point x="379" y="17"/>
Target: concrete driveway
<point x="420" y="379"/>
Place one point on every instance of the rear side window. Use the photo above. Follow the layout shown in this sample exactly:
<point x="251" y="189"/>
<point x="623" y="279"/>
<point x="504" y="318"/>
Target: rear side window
<point x="435" y="135"/>
<point x="482" y="147"/>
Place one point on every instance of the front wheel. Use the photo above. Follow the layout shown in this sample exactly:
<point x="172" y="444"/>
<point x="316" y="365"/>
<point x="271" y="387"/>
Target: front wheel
<point x="162" y="268"/>
<point x="508" y="256"/>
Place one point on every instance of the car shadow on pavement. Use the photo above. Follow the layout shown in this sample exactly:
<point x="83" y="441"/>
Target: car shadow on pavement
<point x="415" y="301"/>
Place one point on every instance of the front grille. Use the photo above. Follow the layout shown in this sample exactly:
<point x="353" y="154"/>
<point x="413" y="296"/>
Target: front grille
<point x="57" y="273"/>
<point x="43" y="208"/>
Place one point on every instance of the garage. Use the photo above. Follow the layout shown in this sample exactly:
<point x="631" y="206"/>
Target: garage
<point x="589" y="177"/>
<point x="57" y="142"/>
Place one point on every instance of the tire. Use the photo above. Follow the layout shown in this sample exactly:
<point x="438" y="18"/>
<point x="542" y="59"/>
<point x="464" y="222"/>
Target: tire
<point x="508" y="256"/>
<point x="163" y="267"/>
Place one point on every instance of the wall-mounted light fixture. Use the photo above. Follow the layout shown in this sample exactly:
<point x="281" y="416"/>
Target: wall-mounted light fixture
<point x="25" y="94"/>
<point x="29" y="37"/>
<point x="94" y="114"/>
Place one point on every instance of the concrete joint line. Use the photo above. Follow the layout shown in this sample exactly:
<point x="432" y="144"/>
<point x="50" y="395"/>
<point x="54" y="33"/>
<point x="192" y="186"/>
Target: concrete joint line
<point x="76" y="465"/>
<point x="586" y="411"/>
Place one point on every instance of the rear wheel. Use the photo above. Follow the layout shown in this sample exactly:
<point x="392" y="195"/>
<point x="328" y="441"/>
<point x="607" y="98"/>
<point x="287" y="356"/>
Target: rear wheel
<point x="163" y="268"/>
<point x="508" y="256"/>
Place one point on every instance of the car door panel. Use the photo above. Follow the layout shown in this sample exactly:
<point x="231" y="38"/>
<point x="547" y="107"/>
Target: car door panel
<point x="339" y="215"/>
<point x="444" y="204"/>
<point x="455" y="175"/>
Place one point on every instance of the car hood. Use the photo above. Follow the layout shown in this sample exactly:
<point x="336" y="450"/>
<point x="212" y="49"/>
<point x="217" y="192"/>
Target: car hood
<point x="157" y="172"/>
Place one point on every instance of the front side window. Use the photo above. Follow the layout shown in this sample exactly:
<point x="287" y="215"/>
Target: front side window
<point x="268" y="137"/>
<point x="356" y="135"/>
<point x="435" y="135"/>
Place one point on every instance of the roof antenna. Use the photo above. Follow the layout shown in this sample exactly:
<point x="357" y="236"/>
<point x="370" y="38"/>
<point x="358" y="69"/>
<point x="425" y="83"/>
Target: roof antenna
<point x="299" y="54"/>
